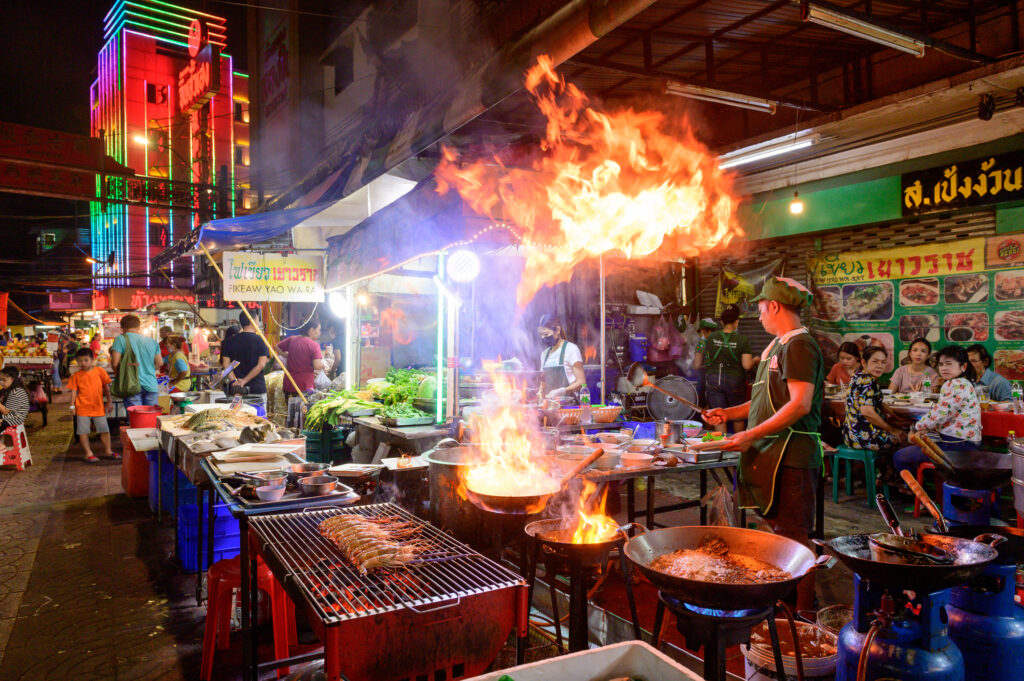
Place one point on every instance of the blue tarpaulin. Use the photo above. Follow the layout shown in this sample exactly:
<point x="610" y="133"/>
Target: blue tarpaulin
<point x="229" y="233"/>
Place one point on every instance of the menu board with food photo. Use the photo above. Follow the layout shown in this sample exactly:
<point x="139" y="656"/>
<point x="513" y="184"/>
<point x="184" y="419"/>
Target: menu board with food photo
<point x="867" y="340"/>
<point x="952" y="292"/>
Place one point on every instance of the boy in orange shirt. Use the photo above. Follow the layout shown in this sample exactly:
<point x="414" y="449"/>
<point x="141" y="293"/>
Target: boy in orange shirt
<point x="90" y="402"/>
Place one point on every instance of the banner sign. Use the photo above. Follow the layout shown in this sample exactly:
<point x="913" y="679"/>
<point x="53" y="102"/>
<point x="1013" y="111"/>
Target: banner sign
<point x="983" y="181"/>
<point x="949" y="293"/>
<point x="271" y="276"/>
<point x="737" y="287"/>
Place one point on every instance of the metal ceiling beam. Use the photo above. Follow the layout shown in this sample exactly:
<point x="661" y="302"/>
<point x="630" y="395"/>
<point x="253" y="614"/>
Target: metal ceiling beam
<point x="663" y="75"/>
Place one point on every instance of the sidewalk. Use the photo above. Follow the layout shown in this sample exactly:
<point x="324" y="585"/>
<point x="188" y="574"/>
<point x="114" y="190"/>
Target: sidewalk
<point x="88" y="586"/>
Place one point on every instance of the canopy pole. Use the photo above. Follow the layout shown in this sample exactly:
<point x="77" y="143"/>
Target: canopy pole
<point x="603" y="351"/>
<point x="252" y="321"/>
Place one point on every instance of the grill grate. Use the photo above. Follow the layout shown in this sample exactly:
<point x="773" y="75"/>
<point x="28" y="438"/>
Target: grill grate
<point x="440" y="576"/>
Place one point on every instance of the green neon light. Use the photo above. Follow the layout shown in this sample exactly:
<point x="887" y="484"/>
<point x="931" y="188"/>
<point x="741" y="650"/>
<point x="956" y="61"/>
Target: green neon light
<point x="240" y="75"/>
<point x="139" y="24"/>
<point x="188" y="16"/>
<point x="181" y="27"/>
<point x="440" y="342"/>
<point x="179" y="7"/>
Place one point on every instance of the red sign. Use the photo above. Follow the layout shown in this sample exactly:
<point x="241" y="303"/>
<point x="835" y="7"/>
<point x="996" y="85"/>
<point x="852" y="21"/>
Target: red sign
<point x="200" y="80"/>
<point x="36" y="145"/>
<point x="195" y="37"/>
<point x="47" y="181"/>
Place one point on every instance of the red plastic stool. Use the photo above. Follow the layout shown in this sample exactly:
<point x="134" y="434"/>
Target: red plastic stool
<point x="18" y="454"/>
<point x="921" y="468"/>
<point x="222" y="578"/>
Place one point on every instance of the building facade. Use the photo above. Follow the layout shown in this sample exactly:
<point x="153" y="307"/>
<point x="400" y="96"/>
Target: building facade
<point x="169" y="104"/>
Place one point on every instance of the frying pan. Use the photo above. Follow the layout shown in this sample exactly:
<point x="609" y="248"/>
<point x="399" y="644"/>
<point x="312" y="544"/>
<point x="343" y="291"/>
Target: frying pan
<point x="551" y="532"/>
<point x="1010" y="551"/>
<point x="969" y="559"/>
<point x="527" y="504"/>
<point x="638" y="377"/>
<point x="783" y="553"/>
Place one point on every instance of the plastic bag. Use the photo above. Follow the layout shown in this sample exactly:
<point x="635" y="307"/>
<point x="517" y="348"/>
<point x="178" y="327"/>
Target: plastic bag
<point x="321" y="382"/>
<point x="721" y="507"/>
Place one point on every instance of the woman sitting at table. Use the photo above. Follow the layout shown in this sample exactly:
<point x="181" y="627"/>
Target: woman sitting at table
<point x="849" y="363"/>
<point x="864" y="427"/>
<point x="956" y="417"/>
<point x="909" y="378"/>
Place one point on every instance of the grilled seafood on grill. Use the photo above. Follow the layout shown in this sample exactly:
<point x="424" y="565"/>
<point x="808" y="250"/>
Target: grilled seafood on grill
<point x="218" y="419"/>
<point x="370" y="543"/>
<point x="711" y="561"/>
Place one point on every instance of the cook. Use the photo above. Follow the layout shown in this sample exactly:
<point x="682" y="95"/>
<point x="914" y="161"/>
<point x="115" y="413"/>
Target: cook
<point x="780" y="451"/>
<point x="909" y="378"/>
<point x="728" y="358"/>
<point x="561" y="361"/>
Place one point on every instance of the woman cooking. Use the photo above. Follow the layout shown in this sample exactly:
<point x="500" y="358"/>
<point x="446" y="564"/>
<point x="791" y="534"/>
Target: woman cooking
<point x="561" y="362"/>
<point x="909" y="378"/>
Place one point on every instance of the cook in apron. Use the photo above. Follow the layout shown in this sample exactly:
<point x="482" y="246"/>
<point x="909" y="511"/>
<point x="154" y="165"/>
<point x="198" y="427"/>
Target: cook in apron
<point x="759" y="463"/>
<point x="554" y="376"/>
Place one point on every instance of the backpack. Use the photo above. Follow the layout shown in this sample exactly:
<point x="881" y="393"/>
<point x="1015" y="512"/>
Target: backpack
<point x="126" y="382"/>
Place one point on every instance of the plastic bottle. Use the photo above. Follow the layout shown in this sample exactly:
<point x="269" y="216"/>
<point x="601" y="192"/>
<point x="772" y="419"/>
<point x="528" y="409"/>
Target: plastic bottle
<point x="1010" y="437"/>
<point x="586" y="416"/>
<point x="1018" y="399"/>
<point x="926" y="385"/>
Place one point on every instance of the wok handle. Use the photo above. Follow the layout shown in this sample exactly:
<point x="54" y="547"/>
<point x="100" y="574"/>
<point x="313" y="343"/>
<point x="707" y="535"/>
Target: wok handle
<point x="591" y="458"/>
<point x="624" y="529"/>
<point x="889" y="514"/>
<point x="823" y="562"/>
<point x="990" y="538"/>
<point x="919" y="492"/>
<point x="821" y="542"/>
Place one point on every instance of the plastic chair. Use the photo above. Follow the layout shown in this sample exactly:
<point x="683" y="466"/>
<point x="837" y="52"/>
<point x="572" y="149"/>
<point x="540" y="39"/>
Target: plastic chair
<point x="223" y="577"/>
<point x="848" y="455"/>
<point x="924" y="466"/>
<point x="18" y="454"/>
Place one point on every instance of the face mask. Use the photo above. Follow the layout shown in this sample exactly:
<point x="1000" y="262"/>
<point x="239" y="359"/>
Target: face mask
<point x="548" y="341"/>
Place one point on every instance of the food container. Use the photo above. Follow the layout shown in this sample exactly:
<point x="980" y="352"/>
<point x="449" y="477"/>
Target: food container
<point x="819" y="648"/>
<point x="577" y="452"/>
<point x="272" y="478"/>
<point x="270" y="492"/>
<point x="627" y="659"/>
<point x="614" y="438"/>
<point x="569" y="417"/>
<point x="308" y="468"/>
<point x="636" y="459"/>
<point x="608" y="460"/>
<point x="317" y="485"/>
<point x="605" y="414"/>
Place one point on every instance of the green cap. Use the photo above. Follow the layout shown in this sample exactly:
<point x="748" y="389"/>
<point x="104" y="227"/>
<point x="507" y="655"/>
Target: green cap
<point x="708" y="323"/>
<point x="786" y="291"/>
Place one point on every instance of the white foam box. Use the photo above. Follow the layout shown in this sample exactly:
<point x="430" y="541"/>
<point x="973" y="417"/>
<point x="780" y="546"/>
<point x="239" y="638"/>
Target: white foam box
<point x="629" y="658"/>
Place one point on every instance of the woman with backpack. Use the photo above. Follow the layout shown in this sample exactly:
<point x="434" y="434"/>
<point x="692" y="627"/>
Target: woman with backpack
<point x="726" y="359"/>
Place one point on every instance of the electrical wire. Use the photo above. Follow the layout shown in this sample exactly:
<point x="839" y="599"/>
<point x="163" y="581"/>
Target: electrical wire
<point x="282" y="326"/>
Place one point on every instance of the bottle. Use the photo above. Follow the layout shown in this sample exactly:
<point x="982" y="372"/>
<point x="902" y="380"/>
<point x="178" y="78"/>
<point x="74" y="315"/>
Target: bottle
<point x="1018" y="399"/>
<point x="585" y="417"/>
<point x="926" y="385"/>
<point x="1010" y="437"/>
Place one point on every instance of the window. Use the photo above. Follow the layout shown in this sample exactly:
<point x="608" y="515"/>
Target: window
<point x="151" y="93"/>
<point x="241" y="112"/>
<point x="241" y="155"/>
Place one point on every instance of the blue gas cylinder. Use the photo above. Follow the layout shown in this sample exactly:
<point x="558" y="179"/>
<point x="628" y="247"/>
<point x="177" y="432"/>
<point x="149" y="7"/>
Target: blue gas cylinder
<point x="896" y="653"/>
<point x="987" y="625"/>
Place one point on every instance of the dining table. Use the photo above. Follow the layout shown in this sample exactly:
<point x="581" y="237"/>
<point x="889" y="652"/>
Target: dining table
<point x="995" y="424"/>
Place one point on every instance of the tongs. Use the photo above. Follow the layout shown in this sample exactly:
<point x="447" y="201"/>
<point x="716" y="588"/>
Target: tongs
<point x="923" y="497"/>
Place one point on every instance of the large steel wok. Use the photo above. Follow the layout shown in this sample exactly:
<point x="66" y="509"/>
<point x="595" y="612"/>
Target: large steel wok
<point x="773" y="549"/>
<point x="969" y="559"/>
<point x="527" y="504"/>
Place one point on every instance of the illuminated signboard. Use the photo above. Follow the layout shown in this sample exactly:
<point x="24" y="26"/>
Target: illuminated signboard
<point x="200" y="80"/>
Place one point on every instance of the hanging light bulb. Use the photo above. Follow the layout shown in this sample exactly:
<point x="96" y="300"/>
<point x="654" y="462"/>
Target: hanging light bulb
<point x="796" y="206"/>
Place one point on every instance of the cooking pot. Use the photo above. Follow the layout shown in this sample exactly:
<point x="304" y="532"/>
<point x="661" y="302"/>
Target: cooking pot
<point x="448" y="509"/>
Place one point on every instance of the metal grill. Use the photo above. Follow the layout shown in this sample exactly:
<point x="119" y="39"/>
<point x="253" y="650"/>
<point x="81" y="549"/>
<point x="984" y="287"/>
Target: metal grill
<point x="442" y="574"/>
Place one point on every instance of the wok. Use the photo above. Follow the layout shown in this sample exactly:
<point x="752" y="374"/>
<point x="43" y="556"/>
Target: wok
<point x="527" y="504"/>
<point x="638" y="377"/>
<point x="1009" y="551"/>
<point x="969" y="559"/>
<point x="781" y="552"/>
<point x="977" y="469"/>
<point x="551" y="532"/>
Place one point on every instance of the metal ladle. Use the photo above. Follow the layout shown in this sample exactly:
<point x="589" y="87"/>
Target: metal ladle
<point x="638" y="377"/>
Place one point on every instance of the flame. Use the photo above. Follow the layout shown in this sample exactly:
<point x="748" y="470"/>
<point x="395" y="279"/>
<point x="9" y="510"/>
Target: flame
<point x="596" y="526"/>
<point x="404" y="461"/>
<point x="394" y="319"/>
<point x="510" y="446"/>
<point x="631" y="181"/>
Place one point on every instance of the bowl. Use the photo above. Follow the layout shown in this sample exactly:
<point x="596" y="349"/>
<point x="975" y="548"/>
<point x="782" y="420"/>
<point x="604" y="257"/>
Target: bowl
<point x="636" y="459"/>
<point x="272" y="478"/>
<point x="270" y="492"/>
<point x="608" y="460"/>
<point x="692" y="428"/>
<point x="607" y="446"/>
<point x="577" y="452"/>
<point x="643" y="443"/>
<point x="317" y="485"/>
<point x="613" y="438"/>
<point x="307" y="468"/>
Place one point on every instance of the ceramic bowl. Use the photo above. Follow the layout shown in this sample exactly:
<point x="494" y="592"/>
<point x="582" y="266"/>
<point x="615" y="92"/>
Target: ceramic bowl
<point x="270" y="492"/>
<point x="613" y="438"/>
<point x="608" y="460"/>
<point x="636" y="459"/>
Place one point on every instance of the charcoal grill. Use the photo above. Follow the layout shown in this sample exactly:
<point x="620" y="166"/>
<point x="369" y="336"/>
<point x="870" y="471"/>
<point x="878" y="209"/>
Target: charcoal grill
<point x="445" y="615"/>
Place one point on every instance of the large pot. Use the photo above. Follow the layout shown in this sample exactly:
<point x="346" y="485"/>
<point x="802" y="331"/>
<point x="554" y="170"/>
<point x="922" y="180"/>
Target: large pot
<point x="448" y="508"/>
<point x="1017" y="449"/>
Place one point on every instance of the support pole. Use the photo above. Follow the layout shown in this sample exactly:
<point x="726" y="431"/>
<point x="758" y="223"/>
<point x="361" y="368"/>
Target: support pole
<point x="604" y="351"/>
<point x="245" y="311"/>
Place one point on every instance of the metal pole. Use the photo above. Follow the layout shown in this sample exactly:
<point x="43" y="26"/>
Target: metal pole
<point x="604" y="351"/>
<point x="252" y="321"/>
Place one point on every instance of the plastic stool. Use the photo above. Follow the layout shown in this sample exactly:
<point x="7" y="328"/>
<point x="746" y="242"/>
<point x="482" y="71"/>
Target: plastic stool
<point x="18" y="454"/>
<point x="978" y="503"/>
<point x="924" y="466"/>
<point x="865" y="456"/>
<point x="222" y="578"/>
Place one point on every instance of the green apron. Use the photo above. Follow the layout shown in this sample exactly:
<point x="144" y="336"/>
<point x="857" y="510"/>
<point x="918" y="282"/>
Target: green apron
<point x="759" y="463"/>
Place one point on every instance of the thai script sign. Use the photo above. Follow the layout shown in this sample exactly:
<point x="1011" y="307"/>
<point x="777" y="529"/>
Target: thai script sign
<point x="271" y="276"/>
<point x="958" y="257"/>
<point x="200" y="80"/>
<point x="994" y="179"/>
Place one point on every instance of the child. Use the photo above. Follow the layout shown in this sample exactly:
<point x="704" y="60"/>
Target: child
<point x="90" y="402"/>
<point x="38" y="397"/>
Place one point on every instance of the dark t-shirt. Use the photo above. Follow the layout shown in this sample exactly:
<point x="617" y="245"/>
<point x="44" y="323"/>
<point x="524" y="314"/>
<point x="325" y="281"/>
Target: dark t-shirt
<point x="246" y="348"/>
<point x="800" y="360"/>
<point x="726" y="350"/>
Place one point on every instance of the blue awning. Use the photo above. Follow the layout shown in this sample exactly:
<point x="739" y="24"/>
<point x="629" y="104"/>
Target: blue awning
<point x="228" y="233"/>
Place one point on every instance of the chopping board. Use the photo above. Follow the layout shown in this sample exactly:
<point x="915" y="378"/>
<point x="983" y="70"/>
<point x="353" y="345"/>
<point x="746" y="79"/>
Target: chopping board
<point x="254" y="452"/>
<point x="278" y="462"/>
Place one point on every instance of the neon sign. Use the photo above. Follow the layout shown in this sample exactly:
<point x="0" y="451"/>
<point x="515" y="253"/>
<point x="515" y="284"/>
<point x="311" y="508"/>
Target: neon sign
<point x="200" y="80"/>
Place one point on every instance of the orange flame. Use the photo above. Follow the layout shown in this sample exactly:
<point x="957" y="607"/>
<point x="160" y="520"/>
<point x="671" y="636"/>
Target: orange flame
<point x="595" y="526"/>
<point x="629" y="181"/>
<point x="511" y="448"/>
<point x="394" y="319"/>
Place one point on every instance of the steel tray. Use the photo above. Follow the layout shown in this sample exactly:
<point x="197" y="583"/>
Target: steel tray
<point x="411" y="421"/>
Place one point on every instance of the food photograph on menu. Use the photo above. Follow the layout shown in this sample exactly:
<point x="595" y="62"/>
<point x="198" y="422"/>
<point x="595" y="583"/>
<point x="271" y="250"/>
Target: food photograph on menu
<point x="828" y="303"/>
<point x="1010" y="285"/>
<point x="966" y="288"/>
<point x="868" y="302"/>
<point x="1010" y="325"/>
<point x="913" y="326"/>
<point x="915" y="292"/>
<point x="966" y="327"/>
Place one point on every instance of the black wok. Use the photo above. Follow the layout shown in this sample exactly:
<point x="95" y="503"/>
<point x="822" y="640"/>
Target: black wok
<point x="773" y="549"/>
<point x="555" y="533"/>
<point x="969" y="559"/>
<point x="979" y="469"/>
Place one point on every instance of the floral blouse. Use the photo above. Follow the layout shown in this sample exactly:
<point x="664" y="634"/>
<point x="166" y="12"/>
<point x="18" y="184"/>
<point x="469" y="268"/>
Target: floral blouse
<point x="957" y="415"/>
<point x="858" y="432"/>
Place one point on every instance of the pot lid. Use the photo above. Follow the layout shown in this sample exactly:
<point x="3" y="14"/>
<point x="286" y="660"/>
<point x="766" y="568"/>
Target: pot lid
<point x="664" y="407"/>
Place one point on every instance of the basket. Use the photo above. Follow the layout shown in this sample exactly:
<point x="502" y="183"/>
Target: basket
<point x="605" y="414"/>
<point x="569" y="417"/>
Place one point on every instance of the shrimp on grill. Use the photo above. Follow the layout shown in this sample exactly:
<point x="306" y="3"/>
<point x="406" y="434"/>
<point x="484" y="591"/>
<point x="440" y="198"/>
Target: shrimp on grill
<point x="370" y="543"/>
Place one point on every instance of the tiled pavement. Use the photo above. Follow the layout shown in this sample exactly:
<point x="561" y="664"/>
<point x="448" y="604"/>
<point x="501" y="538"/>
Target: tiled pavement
<point x="89" y="588"/>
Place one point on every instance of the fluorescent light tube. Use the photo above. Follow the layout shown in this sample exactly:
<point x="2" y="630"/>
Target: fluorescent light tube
<point x="720" y="96"/>
<point x="763" y="150"/>
<point x="862" y="29"/>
